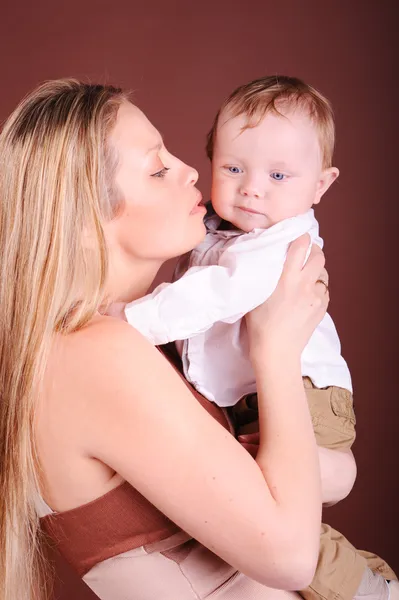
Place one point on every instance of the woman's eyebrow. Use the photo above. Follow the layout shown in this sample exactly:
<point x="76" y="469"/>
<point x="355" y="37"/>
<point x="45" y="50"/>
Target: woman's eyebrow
<point x="157" y="146"/>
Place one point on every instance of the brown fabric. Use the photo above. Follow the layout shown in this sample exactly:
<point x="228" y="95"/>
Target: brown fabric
<point x="119" y="521"/>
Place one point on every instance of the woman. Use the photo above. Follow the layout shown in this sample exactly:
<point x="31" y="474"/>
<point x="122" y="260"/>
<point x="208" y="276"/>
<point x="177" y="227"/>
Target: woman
<point x="150" y="494"/>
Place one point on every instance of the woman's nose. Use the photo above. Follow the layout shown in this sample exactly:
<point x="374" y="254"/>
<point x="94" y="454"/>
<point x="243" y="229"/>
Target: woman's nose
<point x="191" y="175"/>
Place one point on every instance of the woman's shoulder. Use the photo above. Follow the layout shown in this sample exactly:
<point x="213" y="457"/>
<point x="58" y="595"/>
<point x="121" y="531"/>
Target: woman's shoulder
<point x="102" y="355"/>
<point x="107" y="338"/>
<point x="103" y="325"/>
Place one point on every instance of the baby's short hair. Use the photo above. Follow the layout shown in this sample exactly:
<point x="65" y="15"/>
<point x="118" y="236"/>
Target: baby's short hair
<point x="267" y="94"/>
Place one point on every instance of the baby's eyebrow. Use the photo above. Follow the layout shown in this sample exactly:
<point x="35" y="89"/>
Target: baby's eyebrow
<point x="230" y="157"/>
<point x="279" y="165"/>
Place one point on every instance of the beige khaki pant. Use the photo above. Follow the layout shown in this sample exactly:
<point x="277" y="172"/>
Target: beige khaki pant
<point x="341" y="567"/>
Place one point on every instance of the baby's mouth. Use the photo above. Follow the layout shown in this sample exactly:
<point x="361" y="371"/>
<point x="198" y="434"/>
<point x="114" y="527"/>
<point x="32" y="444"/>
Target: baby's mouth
<point x="251" y="211"/>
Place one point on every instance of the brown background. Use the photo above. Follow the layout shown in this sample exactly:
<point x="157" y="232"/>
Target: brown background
<point x="182" y="59"/>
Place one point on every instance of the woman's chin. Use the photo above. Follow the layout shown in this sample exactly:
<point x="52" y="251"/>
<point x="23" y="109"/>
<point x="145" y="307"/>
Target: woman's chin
<point x="194" y="235"/>
<point x="198" y="235"/>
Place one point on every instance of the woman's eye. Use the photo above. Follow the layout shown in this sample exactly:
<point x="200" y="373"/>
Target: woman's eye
<point x="277" y="176"/>
<point x="234" y="170"/>
<point x="161" y="173"/>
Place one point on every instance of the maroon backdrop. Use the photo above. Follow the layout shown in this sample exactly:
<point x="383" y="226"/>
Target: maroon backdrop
<point x="181" y="59"/>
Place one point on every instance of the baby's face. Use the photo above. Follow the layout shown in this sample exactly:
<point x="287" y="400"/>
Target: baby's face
<point x="268" y="173"/>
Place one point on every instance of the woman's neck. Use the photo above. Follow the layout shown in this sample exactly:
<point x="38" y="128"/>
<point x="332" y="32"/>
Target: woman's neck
<point x="131" y="280"/>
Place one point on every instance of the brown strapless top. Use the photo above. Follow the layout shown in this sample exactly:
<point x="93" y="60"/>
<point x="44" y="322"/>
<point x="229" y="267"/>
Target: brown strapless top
<point x="119" y="521"/>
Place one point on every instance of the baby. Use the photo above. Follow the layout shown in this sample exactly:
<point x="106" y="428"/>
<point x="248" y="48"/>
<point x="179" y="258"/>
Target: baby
<point x="271" y="148"/>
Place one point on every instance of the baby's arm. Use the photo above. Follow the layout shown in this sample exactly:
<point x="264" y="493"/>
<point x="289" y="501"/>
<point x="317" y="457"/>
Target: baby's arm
<point x="200" y="298"/>
<point x="187" y="307"/>
<point x="246" y="274"/>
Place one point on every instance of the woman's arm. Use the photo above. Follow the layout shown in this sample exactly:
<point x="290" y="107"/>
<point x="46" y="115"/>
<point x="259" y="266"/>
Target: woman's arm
<point x="144" y="423"/>
<point x="289" y="474"/>
<point x="139" y="418"/>
<point x="337" y="468"/>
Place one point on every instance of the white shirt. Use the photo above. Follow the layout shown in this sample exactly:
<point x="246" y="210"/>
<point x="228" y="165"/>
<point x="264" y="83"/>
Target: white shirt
<point x="226" y="276"/>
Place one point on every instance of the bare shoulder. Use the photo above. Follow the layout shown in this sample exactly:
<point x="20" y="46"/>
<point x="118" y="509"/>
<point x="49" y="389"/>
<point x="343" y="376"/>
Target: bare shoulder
<point x="91" y="379"/>
<point x="116" y="332"/>
<point x="104" y="360"/>
<point x="109" y="342"/>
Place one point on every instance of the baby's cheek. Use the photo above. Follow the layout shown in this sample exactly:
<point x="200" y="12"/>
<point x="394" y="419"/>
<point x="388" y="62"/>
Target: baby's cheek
<point x="222" y="197"/>
<point x="289" y="206"/>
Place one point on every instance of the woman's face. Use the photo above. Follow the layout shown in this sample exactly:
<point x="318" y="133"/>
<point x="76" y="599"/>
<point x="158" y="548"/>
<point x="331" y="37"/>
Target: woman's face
<point x="161" y="217"/>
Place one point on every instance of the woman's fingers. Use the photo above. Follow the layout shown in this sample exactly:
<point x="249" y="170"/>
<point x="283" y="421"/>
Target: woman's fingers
<point x="322" y="287"/>
<point x="309" y="273"/>
<point x="299" y="301"/>
<point x="296" y="254"/>
<point x="323" y="277"/>
<point x="323" y="295"/>
<point x="313" y="267"/>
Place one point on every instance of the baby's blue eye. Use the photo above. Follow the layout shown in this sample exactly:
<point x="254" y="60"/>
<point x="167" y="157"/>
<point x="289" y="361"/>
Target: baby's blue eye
<point x="234" y="170"/>
<point x="277" y="176"/>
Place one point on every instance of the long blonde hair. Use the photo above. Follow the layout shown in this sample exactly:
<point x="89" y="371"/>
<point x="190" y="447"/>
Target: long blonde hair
<point x="56" y="187"/>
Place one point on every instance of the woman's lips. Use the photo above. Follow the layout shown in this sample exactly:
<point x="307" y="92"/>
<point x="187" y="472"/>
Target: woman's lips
<point x="198" y="207"/>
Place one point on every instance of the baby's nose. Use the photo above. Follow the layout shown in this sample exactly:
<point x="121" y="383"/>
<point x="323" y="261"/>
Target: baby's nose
<point x="251" y="191"/>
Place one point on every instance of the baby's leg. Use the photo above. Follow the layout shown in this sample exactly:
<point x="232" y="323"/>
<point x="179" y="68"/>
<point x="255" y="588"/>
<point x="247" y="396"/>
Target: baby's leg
<point x="333" y="417"/>
<point x="342" y="572"/>
<point x="339" y="569"/>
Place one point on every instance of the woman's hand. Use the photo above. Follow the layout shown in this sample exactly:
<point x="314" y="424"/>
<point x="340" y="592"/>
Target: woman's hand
<point x="288" y="318"/>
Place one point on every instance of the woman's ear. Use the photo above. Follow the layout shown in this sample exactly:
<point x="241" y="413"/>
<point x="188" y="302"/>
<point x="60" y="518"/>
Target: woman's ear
<point x="327" y="178"/>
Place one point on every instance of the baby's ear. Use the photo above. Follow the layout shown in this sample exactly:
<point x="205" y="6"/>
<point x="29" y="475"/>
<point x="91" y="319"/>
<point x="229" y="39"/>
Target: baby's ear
<point x="327" y="177"/>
